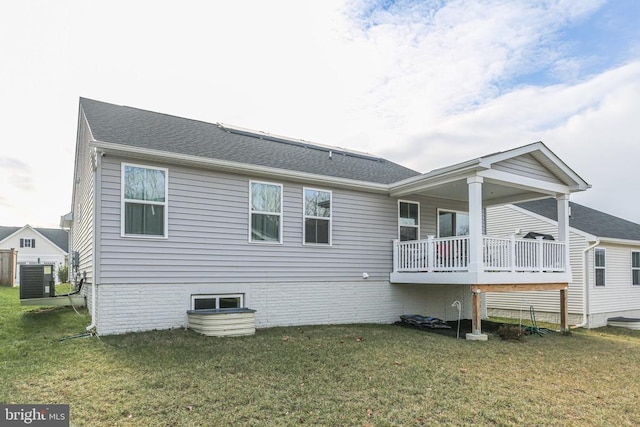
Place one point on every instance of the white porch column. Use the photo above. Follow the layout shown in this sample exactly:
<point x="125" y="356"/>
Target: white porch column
<point x="563" y="225"/>
<point x="475" y="224"/>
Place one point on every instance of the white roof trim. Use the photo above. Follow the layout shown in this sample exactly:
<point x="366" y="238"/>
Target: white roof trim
<point x="581" y="184"/>
<point x="619" y="241"/>
<point x="238" y="167"/>
<point x="483" y="167"/>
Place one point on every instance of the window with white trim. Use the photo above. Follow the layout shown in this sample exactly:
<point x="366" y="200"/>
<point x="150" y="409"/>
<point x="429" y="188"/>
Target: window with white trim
<point x="210" y="302"/>
<point x="408" y="220"/>
<point x="452" y="223"/>
<point x="265" y="206"/>
<point x="635" y="268"/>
<point x="600" y="266"/>
<point x="317" y="216"/>
<point x="27" y="243"/>
<point x="144" y="201"/>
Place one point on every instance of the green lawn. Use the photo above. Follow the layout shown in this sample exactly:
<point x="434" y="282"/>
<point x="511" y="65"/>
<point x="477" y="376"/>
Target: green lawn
<point x="352" y="375"/>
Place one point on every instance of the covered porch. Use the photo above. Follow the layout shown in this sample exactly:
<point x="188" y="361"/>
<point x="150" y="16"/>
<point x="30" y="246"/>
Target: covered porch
<point x="457" y="254"/>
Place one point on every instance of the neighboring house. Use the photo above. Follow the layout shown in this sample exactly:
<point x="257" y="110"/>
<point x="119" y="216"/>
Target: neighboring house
<point x="171" y="214"/>
<point x="605" y="262"/>
<point x="36" y="245"/>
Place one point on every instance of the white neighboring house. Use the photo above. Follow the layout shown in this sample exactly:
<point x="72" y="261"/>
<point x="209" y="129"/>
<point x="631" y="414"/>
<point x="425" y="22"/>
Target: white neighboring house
<point x="605" y="262"/>
<point x="36" y="246"/>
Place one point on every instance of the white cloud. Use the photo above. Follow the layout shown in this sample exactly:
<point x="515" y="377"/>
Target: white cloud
<point x="425" y="83"/>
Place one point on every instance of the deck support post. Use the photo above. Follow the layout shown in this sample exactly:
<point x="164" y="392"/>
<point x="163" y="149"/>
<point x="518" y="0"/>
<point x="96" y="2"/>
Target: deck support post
<point x="564" y="312"/>
<point x="476" y="316"/>
<point x="476" y="312"/>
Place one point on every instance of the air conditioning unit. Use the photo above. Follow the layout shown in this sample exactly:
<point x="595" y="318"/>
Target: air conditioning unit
<point x="36" y="281"/>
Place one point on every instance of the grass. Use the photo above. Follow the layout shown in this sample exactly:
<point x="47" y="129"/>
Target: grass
<point x="352" y="375"/>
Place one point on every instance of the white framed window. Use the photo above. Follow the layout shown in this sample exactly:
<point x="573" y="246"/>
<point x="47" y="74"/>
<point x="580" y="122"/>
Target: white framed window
<point x="600" y="266"/>
<point x="217" y="301"/>
<point x="317" y="216"/>
<point x="452" y="223"/>
<point x="27" y="243"/>
<point x="144" y="201"/>
<point x="265" y="212"/>
<point x="635" y="268"/>
<point x="408" y="220"/>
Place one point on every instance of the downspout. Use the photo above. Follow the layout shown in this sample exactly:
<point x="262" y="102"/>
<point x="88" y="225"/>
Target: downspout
<point x="585" y="284"/>
<point x="96" y="162"/>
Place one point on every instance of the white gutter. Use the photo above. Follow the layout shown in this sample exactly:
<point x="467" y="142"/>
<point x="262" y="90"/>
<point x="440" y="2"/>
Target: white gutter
<point x="96" y="156"/>
<point x="236" y="167"/>
<point x="585" y="284"/>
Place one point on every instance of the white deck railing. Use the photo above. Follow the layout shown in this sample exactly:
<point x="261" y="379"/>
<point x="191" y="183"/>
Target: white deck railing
<point x="498" y="254"/>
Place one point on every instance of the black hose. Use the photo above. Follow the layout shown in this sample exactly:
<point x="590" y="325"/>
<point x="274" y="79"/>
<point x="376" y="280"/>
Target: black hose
<point x="74" y="292"/>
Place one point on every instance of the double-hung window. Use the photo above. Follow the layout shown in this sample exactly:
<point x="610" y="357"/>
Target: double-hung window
<point x="452" y="223"/>
<point x="317" y="216"/>
<point x="600" y="266"/>
<point x="144" y="201"/>
<point x="635" y="268"/>
<point x="409" y="220"/>
<point x="265" y="206"/>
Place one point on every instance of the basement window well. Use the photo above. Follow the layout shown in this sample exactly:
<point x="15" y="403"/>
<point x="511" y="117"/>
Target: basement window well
<point x="212" y="302"/>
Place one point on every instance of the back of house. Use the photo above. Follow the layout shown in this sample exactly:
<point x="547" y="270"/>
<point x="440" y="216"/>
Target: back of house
<point x="172" y="214"/>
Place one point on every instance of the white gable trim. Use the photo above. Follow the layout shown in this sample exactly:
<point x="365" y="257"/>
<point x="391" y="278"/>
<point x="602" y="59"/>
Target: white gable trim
<point x="488" y="161"/>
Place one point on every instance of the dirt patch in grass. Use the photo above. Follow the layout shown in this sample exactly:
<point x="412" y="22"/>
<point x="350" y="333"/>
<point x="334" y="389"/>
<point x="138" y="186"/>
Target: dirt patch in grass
<point x="488" y="326"/>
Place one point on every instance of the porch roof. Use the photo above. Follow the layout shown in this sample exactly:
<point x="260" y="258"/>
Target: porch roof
<point x="529" y="172"/>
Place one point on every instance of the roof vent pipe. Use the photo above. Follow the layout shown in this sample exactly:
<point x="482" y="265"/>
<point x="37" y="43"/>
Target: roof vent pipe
<point x="330" y="154"/>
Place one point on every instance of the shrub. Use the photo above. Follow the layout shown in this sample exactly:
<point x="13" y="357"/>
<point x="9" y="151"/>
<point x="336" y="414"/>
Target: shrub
<point x="510" y="332"/>
<point x="63" y="274"/>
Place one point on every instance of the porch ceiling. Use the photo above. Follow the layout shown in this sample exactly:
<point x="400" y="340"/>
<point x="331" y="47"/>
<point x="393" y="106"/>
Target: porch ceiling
<point x="493" y="193"/>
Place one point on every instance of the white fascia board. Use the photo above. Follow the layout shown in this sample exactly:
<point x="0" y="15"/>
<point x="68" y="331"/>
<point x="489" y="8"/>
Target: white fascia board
<point x="509" y="154"/>
<point x="580" y="184"/>
<point x="237" y="167"/>
<point x="616" y="241"/>
<point x="433" y="179"/>
<point x="588" y="236"/>
<point x="525" y="183"/>
<point x="81" y="118"/>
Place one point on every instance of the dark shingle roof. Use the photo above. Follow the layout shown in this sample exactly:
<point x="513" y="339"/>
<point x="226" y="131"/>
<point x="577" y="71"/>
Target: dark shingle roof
<point x="145" y="129"/>
<point x="589" y="220"/>
<point x="7" y="231"/>
<point x="57" y="236"/>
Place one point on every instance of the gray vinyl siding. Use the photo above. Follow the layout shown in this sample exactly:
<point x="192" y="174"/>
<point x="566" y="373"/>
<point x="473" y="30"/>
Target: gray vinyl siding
<point x="208" y="214"/>
<point x="504" y="220"/>
<point x="81" y="233"/>
<point x="526" y="165"/>
<point x="208" y="238"/>
<point x="618" y="294"/>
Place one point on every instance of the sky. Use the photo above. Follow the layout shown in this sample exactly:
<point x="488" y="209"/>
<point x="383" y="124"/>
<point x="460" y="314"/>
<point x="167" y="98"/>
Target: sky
<point x="425" y="84"/>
